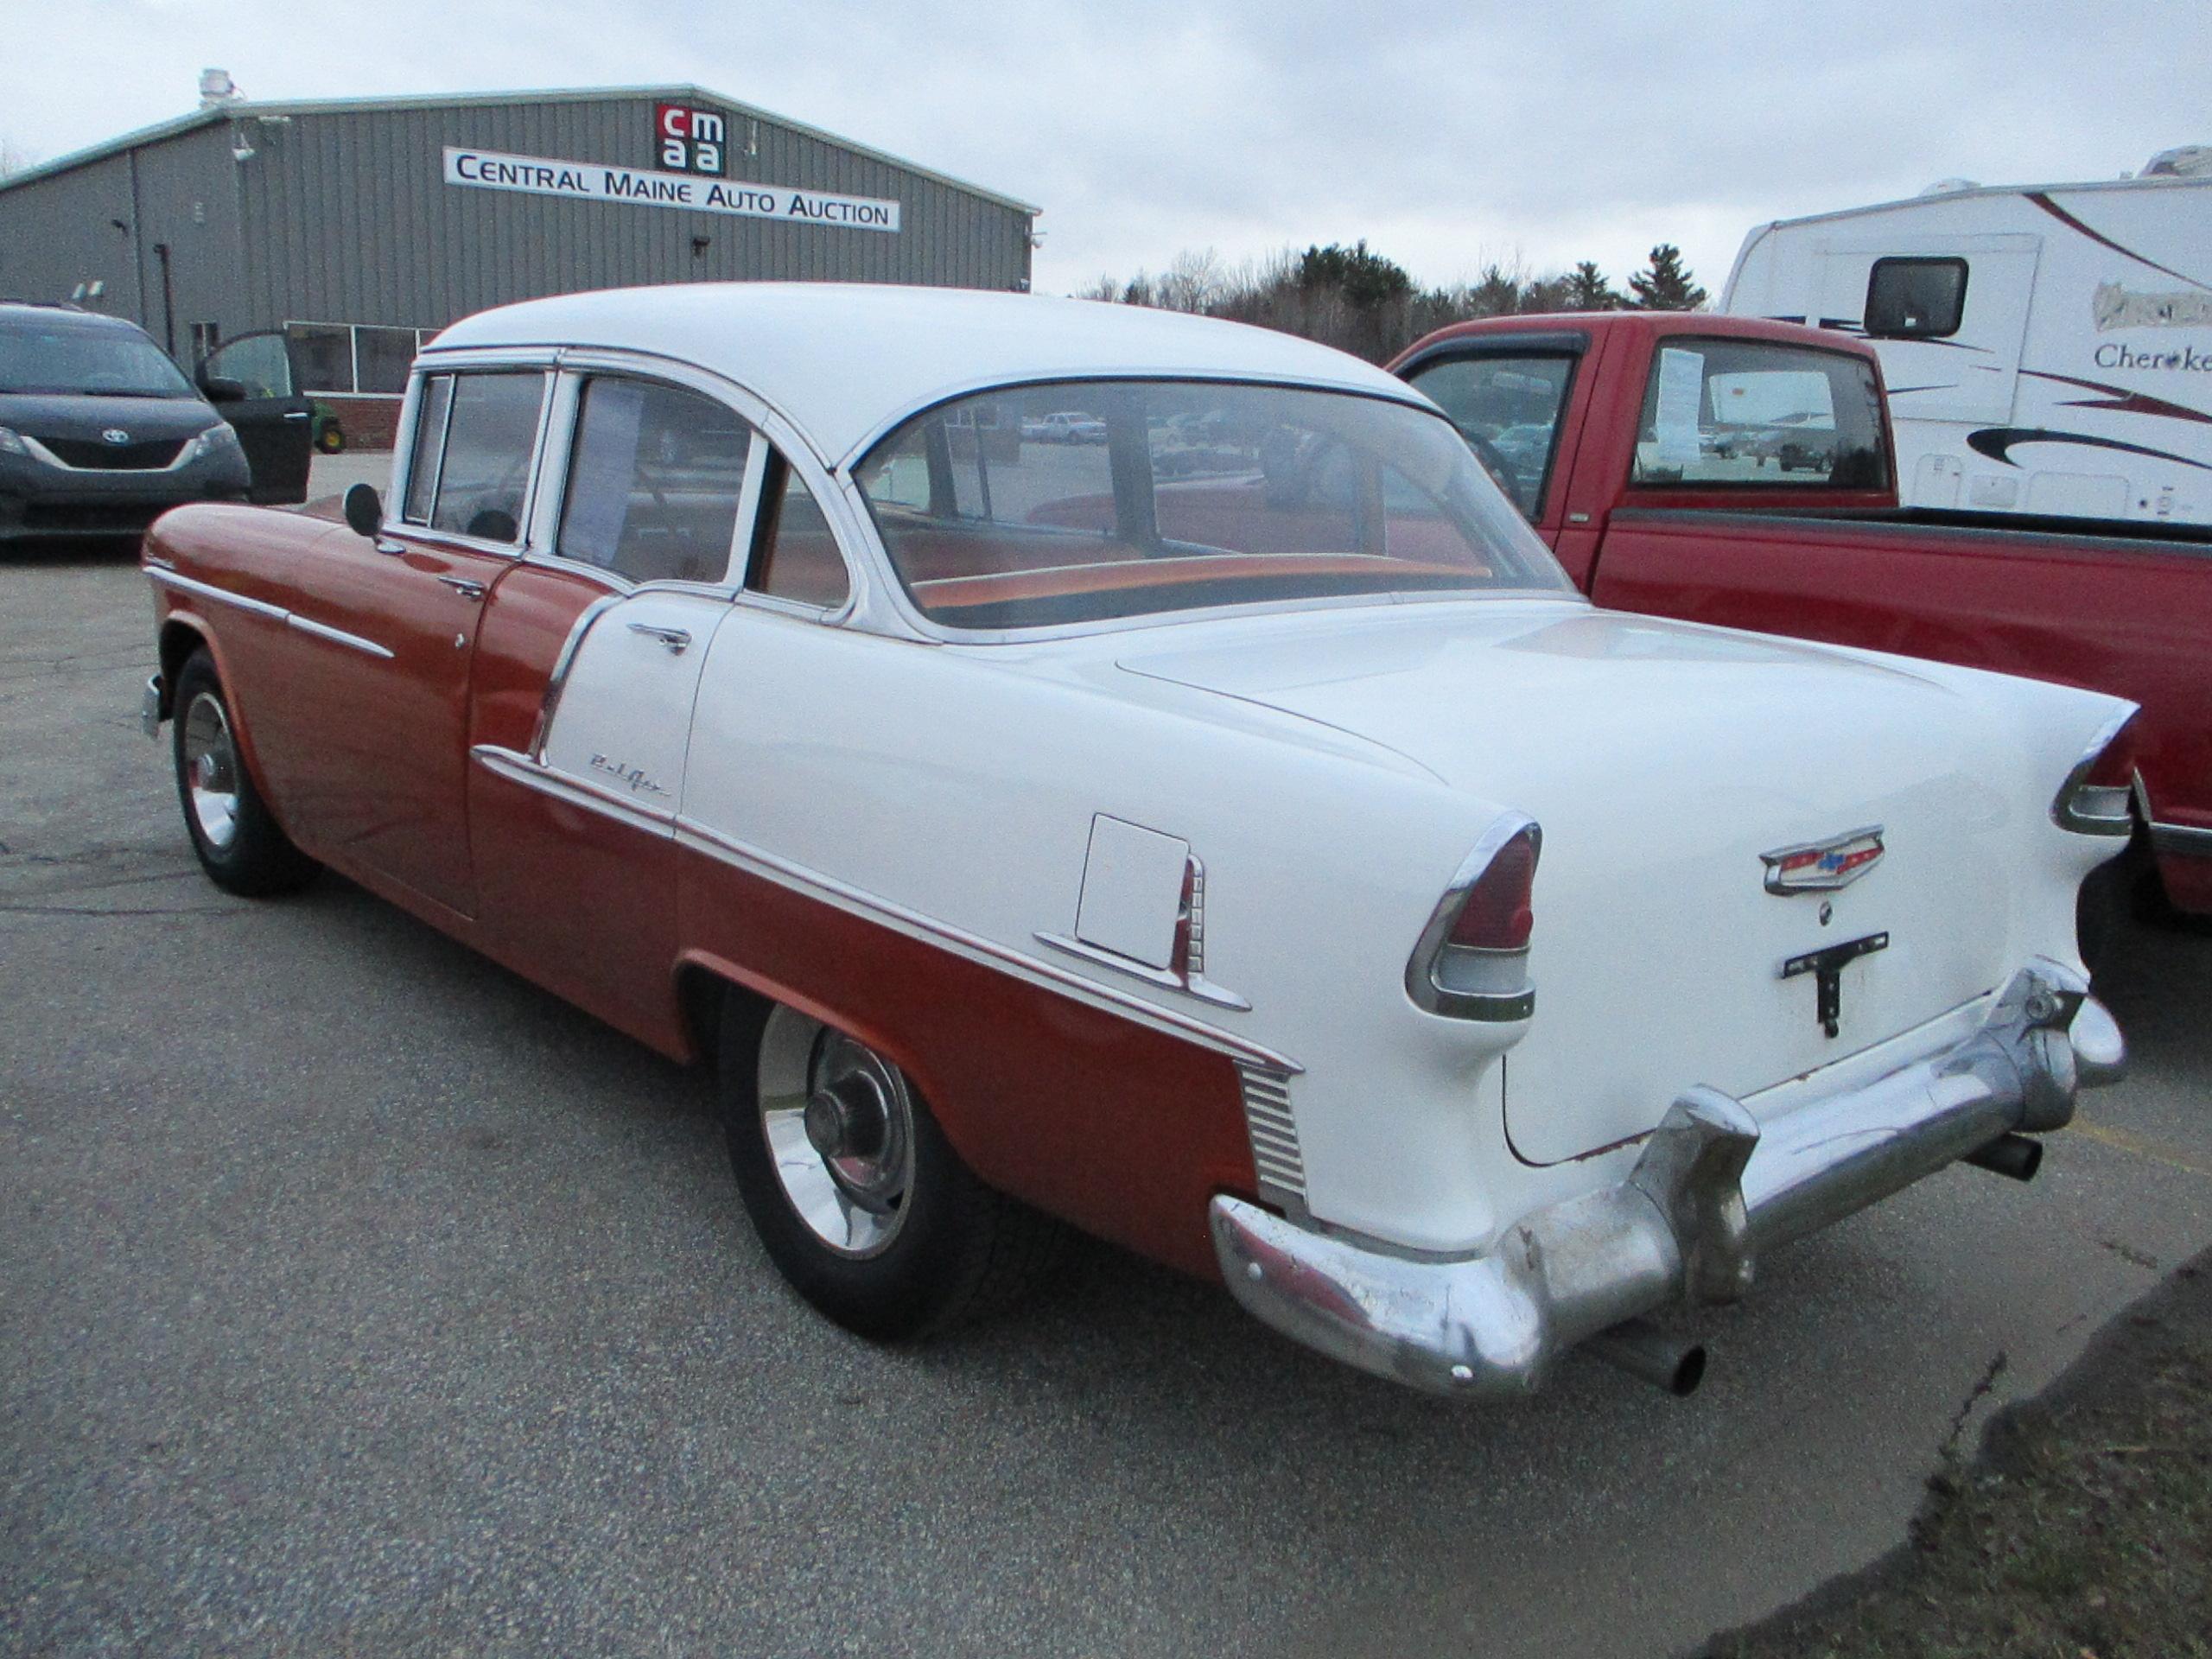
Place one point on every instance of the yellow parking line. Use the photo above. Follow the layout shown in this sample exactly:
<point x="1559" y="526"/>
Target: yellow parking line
<point x="2141" y="1147"/>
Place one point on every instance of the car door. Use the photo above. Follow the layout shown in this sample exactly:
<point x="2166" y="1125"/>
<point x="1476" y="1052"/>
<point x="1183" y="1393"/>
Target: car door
<point x="395" y="617"/>
<point x="253" y="383"/>
<point x="588" y="668"/>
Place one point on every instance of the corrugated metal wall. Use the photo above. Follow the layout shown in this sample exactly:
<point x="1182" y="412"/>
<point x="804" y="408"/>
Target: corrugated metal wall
<point x="346" y="217"/>
<point x="349" y="217"/>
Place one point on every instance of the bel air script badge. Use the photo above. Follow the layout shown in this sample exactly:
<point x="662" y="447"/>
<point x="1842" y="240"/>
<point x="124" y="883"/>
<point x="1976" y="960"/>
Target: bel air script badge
<point x="1823" y="865"/>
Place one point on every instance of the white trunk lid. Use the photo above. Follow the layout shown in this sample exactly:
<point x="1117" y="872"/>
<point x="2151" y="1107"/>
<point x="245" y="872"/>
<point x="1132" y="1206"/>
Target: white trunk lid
<point x="1661" y="761"/>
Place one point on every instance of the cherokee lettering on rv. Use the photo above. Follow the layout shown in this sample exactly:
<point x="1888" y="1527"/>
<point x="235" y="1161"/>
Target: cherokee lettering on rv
<point x="2113" y="355"/>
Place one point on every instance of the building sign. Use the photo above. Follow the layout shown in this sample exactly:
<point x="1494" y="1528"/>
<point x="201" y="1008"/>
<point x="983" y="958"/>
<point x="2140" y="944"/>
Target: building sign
<point x="538" y="176"/>
<point x="691" y="140"/>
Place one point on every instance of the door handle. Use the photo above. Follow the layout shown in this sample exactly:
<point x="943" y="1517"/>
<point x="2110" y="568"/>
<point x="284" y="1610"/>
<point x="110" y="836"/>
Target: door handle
<point x="295" y="414"/>
<point x="464" y="586"/>
<point x="675" y="638"/>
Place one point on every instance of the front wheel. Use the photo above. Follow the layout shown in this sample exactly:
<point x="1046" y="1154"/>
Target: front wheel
<point x="857" y="1195"/>
<point x="239" y="841"/>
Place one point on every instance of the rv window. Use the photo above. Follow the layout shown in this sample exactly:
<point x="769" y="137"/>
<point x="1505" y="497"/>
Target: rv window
<point x="1916" y="299"/>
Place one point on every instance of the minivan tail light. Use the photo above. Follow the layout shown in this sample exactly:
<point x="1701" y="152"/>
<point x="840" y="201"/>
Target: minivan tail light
<point x="1471" y="962"/>
<point x="2097" y="797"/>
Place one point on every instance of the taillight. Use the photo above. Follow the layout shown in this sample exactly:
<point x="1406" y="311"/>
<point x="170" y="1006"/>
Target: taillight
<point x="1472" y="959"/>
<point x="2097" y="796"/>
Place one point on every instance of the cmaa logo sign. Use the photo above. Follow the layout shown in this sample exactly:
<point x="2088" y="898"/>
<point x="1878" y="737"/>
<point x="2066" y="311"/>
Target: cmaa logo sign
<point x="691" y="140"/>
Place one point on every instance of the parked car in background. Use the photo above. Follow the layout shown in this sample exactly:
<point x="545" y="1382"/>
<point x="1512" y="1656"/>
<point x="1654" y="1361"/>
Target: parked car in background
<point x="1065" y="426"/>
<point x="1725" y="469"/>
<point x="99" y="432"/>
<point x="254" y="380"/>
<point x="1043" y="840"/>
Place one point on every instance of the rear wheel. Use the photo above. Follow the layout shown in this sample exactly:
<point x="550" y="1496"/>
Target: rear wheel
<point x="858" y="1198"/>
<point x="238" y="839"/>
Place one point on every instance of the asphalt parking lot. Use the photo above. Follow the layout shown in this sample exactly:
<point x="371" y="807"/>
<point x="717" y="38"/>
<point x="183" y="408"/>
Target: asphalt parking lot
<point x="356" y="1297"/>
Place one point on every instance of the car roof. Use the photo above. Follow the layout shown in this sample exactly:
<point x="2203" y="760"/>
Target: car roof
<point x="51" y="314"/>
<point x="844" y="362"/>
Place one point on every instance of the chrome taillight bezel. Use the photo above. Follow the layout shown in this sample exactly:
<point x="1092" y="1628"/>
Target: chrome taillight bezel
<point x="2087" y="808"/>
<point x="1461" y="981"/>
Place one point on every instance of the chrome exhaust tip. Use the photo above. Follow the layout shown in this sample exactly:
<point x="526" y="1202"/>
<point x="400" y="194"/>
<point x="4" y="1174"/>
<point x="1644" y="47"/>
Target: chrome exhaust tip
<point x="1673" y="1364"/>
<point x="2014" y="1155"/>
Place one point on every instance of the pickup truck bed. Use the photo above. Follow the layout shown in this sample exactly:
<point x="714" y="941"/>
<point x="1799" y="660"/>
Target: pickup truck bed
<point x="1724" y="520"/>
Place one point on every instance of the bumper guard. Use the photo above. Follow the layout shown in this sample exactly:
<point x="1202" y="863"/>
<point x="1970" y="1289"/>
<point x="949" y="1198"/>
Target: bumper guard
<point x="1714" y="1188"/>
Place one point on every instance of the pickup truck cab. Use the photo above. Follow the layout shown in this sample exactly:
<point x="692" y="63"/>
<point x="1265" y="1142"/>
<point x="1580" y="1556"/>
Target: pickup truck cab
<point x="1742" y="472"/>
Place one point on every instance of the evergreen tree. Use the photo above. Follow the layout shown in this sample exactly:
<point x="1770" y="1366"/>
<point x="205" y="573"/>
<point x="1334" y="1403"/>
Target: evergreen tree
<point x="1365" y="279"/>
<point x="1665" y="284"/>
<point x="1588" y="289"/>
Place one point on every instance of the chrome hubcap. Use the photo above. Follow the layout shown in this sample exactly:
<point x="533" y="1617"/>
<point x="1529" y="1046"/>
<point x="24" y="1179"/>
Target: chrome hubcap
<point x="211" y="771"/>
<point x="840" y="1126"/>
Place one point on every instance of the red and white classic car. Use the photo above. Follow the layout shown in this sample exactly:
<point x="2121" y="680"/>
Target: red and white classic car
<point x="1143" y="834"/>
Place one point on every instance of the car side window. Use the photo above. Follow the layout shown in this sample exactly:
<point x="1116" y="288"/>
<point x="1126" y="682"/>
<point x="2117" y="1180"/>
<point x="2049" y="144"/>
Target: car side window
<point x="491" y="436"/>
<point x="1507" y="407"/>
<point x="260" y="363"/>
<point x="429" y="444"/>
<point x="655" y="478"/>
<point x="794" y="553"/>
<point x="1754" y="414"/>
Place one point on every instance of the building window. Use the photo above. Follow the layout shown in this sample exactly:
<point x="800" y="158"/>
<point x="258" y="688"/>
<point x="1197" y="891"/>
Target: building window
<point x="354" y="359"/>
<point x="1916" y="299"/>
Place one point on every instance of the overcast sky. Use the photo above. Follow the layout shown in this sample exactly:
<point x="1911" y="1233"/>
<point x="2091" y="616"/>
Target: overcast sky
<point x="1447" y="135"/>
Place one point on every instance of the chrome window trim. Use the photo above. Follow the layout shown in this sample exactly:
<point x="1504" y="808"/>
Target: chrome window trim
<point x="337" y="635"/>
<point x="533" y="472"/>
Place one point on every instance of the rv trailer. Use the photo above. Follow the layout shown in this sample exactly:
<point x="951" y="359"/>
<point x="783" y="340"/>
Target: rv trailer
<point x="2048" y="348"/>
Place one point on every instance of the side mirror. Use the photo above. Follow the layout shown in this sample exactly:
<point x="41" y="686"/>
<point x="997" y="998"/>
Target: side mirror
<point x="364" y="510"/>
<point x="220" y="391"/>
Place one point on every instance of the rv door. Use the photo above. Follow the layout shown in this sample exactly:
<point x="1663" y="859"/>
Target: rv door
<point x="1948" y="314"/>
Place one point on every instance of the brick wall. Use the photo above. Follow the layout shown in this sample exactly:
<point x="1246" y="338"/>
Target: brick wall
<point x="370" y="423"/>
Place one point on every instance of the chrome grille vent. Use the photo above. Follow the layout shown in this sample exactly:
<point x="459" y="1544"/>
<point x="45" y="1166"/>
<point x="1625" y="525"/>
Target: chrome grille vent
<point x="1274" y="1132"/>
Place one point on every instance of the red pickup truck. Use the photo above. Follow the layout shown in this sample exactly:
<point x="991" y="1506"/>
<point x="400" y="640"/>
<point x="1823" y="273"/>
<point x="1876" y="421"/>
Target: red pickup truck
<point x="1740" y="472"/>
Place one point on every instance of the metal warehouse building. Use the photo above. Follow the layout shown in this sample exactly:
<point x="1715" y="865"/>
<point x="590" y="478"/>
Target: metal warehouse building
<point x="359" y="227"/>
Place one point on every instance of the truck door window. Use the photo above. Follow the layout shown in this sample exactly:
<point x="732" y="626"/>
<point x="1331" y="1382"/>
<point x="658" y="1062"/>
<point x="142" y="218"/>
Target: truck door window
<point x="1752" y="414"/>
<point x="654" y="481"/>
<point x="1508" y="410"/>
<point x="1916" y="299"/>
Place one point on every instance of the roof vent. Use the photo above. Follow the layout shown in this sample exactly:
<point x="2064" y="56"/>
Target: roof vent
<point x="216" y="86"/>
<point x="1947" y="186"/>
<point x="2186" y="162"/>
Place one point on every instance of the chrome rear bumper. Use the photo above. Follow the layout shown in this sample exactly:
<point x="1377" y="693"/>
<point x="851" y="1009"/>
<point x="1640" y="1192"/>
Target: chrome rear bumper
<point x="1714" y="1188"/>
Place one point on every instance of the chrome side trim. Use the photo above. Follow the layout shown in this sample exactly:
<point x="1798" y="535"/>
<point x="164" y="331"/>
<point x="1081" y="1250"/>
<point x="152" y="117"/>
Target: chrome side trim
<point x="337" y="635"/>
<point x="208" y="590"/>
<point x="1714" y="1188"/>
<point x="690" y="833"/>
<point x="558" y="680"/>
<point x="1165" y="978"/>
<point x="2182" y="838"/>
<point x="575" y="791"/>
<point x="1276" y="1157"/>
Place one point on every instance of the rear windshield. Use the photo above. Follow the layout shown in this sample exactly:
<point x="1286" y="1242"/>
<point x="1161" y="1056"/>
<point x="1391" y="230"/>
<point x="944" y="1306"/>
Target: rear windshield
<point x="1076" y="503"/>
<point x="1749" y="412"/>
<point x="107" y="363"/>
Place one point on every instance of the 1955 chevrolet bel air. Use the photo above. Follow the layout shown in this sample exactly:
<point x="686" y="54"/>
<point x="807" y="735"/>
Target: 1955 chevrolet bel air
<point x="1231" y="834"/>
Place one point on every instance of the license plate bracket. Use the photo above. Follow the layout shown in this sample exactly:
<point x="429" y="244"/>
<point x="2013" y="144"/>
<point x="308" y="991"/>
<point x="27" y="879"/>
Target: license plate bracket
<point x="1826" y="966"/>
